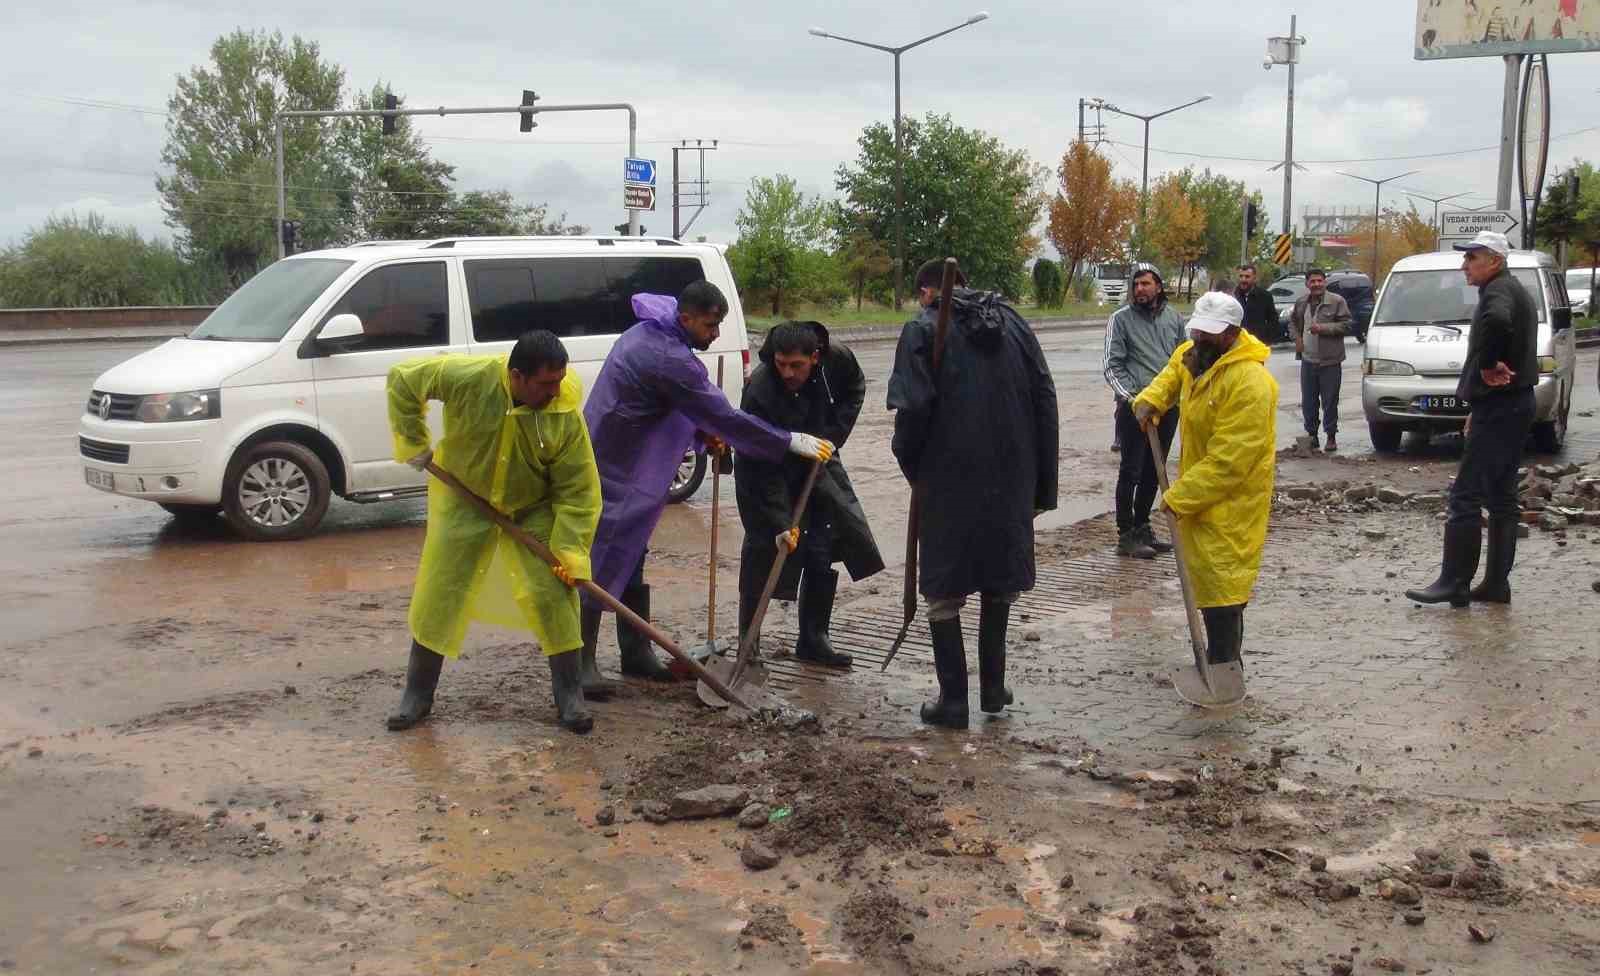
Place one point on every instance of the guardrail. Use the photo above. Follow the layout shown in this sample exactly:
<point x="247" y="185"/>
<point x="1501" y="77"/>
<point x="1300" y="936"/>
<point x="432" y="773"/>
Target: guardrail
<point x="163" y="317"/>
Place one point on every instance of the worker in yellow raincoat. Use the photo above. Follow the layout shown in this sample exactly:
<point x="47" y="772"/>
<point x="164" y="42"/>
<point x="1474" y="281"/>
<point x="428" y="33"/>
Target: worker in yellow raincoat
<point x="514" y="434"/>
<point x="1227" y="424"/>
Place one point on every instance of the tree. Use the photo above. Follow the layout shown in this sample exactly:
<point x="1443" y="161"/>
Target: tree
<point x="966" y="195"/>
<point x="1178" y="228"/>
<point x="1400" y="233"/>
<point x="1561" y="212"/>
<point x="864" y="259"/>
<point x="1223" y="200"/>
<point x="399" y="190"/>
<point x="221" y="194"/>
<point x="1047" y="283"/>
<point x="73" y="262"/>
<point x="783" y="238"/>
<point x="1091" y="214"/>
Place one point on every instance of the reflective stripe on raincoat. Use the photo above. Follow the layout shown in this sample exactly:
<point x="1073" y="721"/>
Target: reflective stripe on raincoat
<point x="535" y="465"/>
<point x="1227" y="426"/>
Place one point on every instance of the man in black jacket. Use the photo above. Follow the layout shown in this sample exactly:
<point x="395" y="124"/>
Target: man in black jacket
<point x="811" y="384"/>
<point x="1260" y="312"/>
<point x="979" y="437"/>
<point x="1497" y="379"/>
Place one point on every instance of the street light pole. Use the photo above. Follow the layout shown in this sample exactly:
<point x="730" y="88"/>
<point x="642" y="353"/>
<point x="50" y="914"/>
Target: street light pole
<point x="899" y="148"/>
<point x="1144" y="179"/>
<point x="1377" y="210"/>
<point x="1286" y="50"/>
<point x="1436" y="201"/>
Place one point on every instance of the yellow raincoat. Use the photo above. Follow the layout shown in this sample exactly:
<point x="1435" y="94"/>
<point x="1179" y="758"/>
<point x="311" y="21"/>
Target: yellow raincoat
<point x="1227" y="425"/>
<point x="535" y="465"/>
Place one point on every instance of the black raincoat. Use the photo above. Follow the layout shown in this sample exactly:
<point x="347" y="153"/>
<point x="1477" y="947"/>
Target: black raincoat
<point x="982" y="437"/>
<point x="826" y="406"/>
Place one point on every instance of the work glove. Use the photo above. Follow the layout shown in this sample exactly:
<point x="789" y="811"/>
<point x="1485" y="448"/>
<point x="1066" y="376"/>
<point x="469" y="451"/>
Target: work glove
<point x="791" y="538"/>
<point x="811" y="448"/>
<point x="1145" y="414"/>
<point x="562" y="573"/>
<point x="421" y="461"/>
<point x="715" y="446"/>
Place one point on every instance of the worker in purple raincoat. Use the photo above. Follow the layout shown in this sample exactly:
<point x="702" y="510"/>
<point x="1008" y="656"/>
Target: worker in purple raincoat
<point x="652" y="401"/>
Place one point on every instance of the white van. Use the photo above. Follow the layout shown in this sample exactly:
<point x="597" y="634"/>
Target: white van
<point x="276" y="402"/>
<point x="1418" y="340"/>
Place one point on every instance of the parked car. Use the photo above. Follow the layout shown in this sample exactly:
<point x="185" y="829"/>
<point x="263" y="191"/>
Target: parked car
<point x="1285" y="292"/>
<point x="1353" y="286"/>
<point x="1578" y="282"/>
<point x="276" y="402"/>
<point x="1419" y="339"/>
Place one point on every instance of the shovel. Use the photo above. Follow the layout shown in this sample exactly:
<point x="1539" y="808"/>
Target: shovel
<point x="1202" y="683"/>
<point x="710" y="649"/>
<point x="743" y="672"/>
<point x="611" y="603"/>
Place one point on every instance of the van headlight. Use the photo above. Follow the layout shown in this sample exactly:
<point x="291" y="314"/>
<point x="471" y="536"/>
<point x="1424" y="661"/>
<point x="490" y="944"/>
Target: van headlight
<point x="1386" y="367"/>
<point x="1547" y="364"/>
<point x="158" y="408"/>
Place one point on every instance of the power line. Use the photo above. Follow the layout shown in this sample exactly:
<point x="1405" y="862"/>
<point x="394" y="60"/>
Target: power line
<point x="1364" y="159"/>
<point x="96" y="103"/>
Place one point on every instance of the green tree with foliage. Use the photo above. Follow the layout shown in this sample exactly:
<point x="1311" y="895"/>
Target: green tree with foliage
<point x="1048" y="285"/>
<point x="1223" y="200"/>
<point x="783" y="242"/>
<point x="221" y="195"/>
<point x="966" y="195"/>
<point x="83" y="262"/>
<point x="865" y="261"/>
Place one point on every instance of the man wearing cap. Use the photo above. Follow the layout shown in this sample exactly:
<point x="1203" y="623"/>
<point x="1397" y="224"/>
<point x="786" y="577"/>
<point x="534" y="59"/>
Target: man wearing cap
<point x="1140" y="338"/>
<point x="1497" y="379"/>
<point x="1227" y="402"/>
<point x="1319" y="322"/>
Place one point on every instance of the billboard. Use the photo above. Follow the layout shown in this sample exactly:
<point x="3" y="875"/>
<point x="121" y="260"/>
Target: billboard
<point x="1481" y="28"/>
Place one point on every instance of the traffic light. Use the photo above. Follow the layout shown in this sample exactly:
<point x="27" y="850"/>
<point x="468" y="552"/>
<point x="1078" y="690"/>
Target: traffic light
<point x="622" y="229"/>
<point x="1252" y="215"/>
<point x="528" y="98"/>
<point x="291" y="233"/>
<point x="390" y="103"/>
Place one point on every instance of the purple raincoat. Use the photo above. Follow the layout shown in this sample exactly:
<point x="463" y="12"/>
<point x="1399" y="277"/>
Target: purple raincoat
<point x="651" y="396"/>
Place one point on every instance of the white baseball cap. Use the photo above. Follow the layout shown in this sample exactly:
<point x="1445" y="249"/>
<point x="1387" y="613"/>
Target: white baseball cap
<point x="1487" y="240"/>
<point x="1216" y="312"/>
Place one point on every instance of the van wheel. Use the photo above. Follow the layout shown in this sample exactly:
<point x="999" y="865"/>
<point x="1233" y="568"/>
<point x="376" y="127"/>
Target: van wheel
<point x="686" y="480"/>
<point x="192" y="514"/>
<point x="1385" y="437"/>
<point x="275" y="490"/>
<point x="1550" y="436"/>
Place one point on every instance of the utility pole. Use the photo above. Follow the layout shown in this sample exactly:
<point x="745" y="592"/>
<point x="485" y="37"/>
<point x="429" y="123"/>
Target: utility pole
<point x="1144" y="179"/>
<point x="1377" y="211"/>
<point x="527" y="110"/>
<point x="1436" y="201"/>
<point x="1286" y="51"/>
<point x="1508" y="131"/>
<point x="700" y="197"/>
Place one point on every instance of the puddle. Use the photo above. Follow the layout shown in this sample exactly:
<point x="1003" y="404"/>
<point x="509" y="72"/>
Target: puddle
<point x="998" y="917"/>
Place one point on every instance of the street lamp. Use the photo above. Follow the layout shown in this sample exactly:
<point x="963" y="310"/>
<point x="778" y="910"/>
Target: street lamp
<point x="1286" y="50"/>
<point x="1436" y="201"/>
<point x="1144" y="182"/>
<point x="1377" y="210"/>
<point x="899" y="152"/>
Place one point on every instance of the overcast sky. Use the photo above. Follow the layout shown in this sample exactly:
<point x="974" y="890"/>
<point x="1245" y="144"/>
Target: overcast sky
<point x="780" y="100"/>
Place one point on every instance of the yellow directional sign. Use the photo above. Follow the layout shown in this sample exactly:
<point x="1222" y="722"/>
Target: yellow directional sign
<point x="1282" y="249"/>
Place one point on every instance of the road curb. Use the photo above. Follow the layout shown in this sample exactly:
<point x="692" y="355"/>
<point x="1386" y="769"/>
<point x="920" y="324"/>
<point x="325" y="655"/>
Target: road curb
<point x="8" y="342"/>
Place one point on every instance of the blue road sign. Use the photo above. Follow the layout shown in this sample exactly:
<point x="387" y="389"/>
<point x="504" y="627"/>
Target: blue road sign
<point x="635" y="170"/>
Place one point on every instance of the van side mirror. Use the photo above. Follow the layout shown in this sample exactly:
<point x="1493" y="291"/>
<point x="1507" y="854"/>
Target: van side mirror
<point x="341" y="330"/>
<point x="1560" y="319"/>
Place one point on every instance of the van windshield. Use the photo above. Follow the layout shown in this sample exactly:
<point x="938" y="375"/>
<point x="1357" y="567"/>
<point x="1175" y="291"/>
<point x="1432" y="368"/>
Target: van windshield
<point x="267" y="305"/>
<point x="1440" y="297"/>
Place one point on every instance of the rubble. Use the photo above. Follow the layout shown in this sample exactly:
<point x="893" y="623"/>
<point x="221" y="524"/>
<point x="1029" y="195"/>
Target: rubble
<point x="708" y="801"/>
<point x="757" y="856"/>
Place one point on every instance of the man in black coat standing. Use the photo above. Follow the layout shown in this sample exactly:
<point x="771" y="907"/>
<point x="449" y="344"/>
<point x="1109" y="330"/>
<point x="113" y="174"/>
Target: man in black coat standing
<point x="1497" y="379"/>
<point x="981" y="438"/>
<point x="811" y="384"/>
<point x="1260" y="312"/>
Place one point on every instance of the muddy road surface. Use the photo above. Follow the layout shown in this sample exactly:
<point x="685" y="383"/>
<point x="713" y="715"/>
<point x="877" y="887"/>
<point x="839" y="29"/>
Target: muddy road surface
<point x="194" y="777"/>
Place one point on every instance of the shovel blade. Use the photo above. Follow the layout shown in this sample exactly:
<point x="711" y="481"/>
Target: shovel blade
<point x="700" y="655"/>
<point x="1226" y="688"/>
<point x="753" y="679"/>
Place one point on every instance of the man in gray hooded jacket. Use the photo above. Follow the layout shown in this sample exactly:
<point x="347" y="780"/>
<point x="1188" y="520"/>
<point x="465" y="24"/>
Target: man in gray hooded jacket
<point x="1140" y="338"/>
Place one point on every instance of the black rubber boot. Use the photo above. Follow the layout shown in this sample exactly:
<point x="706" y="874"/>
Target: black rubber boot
<point x="950" y="664"/>
<point x="1224" y="633"/>
<point x="1496" y="585"/>
<point x="422" y="677"/>
<point x="1131" y="543"/>
<point x="993" y="695"/>
<point x="595" y="685"/>
<point x="1461" y="545"/>
<point x="568" y="688"/>
<point x="817" y="590"/>
<point x="638" y="659"/>
<point x="1148" y="534"/>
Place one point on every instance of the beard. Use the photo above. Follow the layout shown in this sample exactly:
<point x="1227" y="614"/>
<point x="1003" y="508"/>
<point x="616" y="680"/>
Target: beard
<point x="1201" y="357"/>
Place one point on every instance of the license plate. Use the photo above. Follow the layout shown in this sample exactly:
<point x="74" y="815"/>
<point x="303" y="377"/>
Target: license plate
<point x="103" y="480"/>
<point x="1441" y="404"/>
